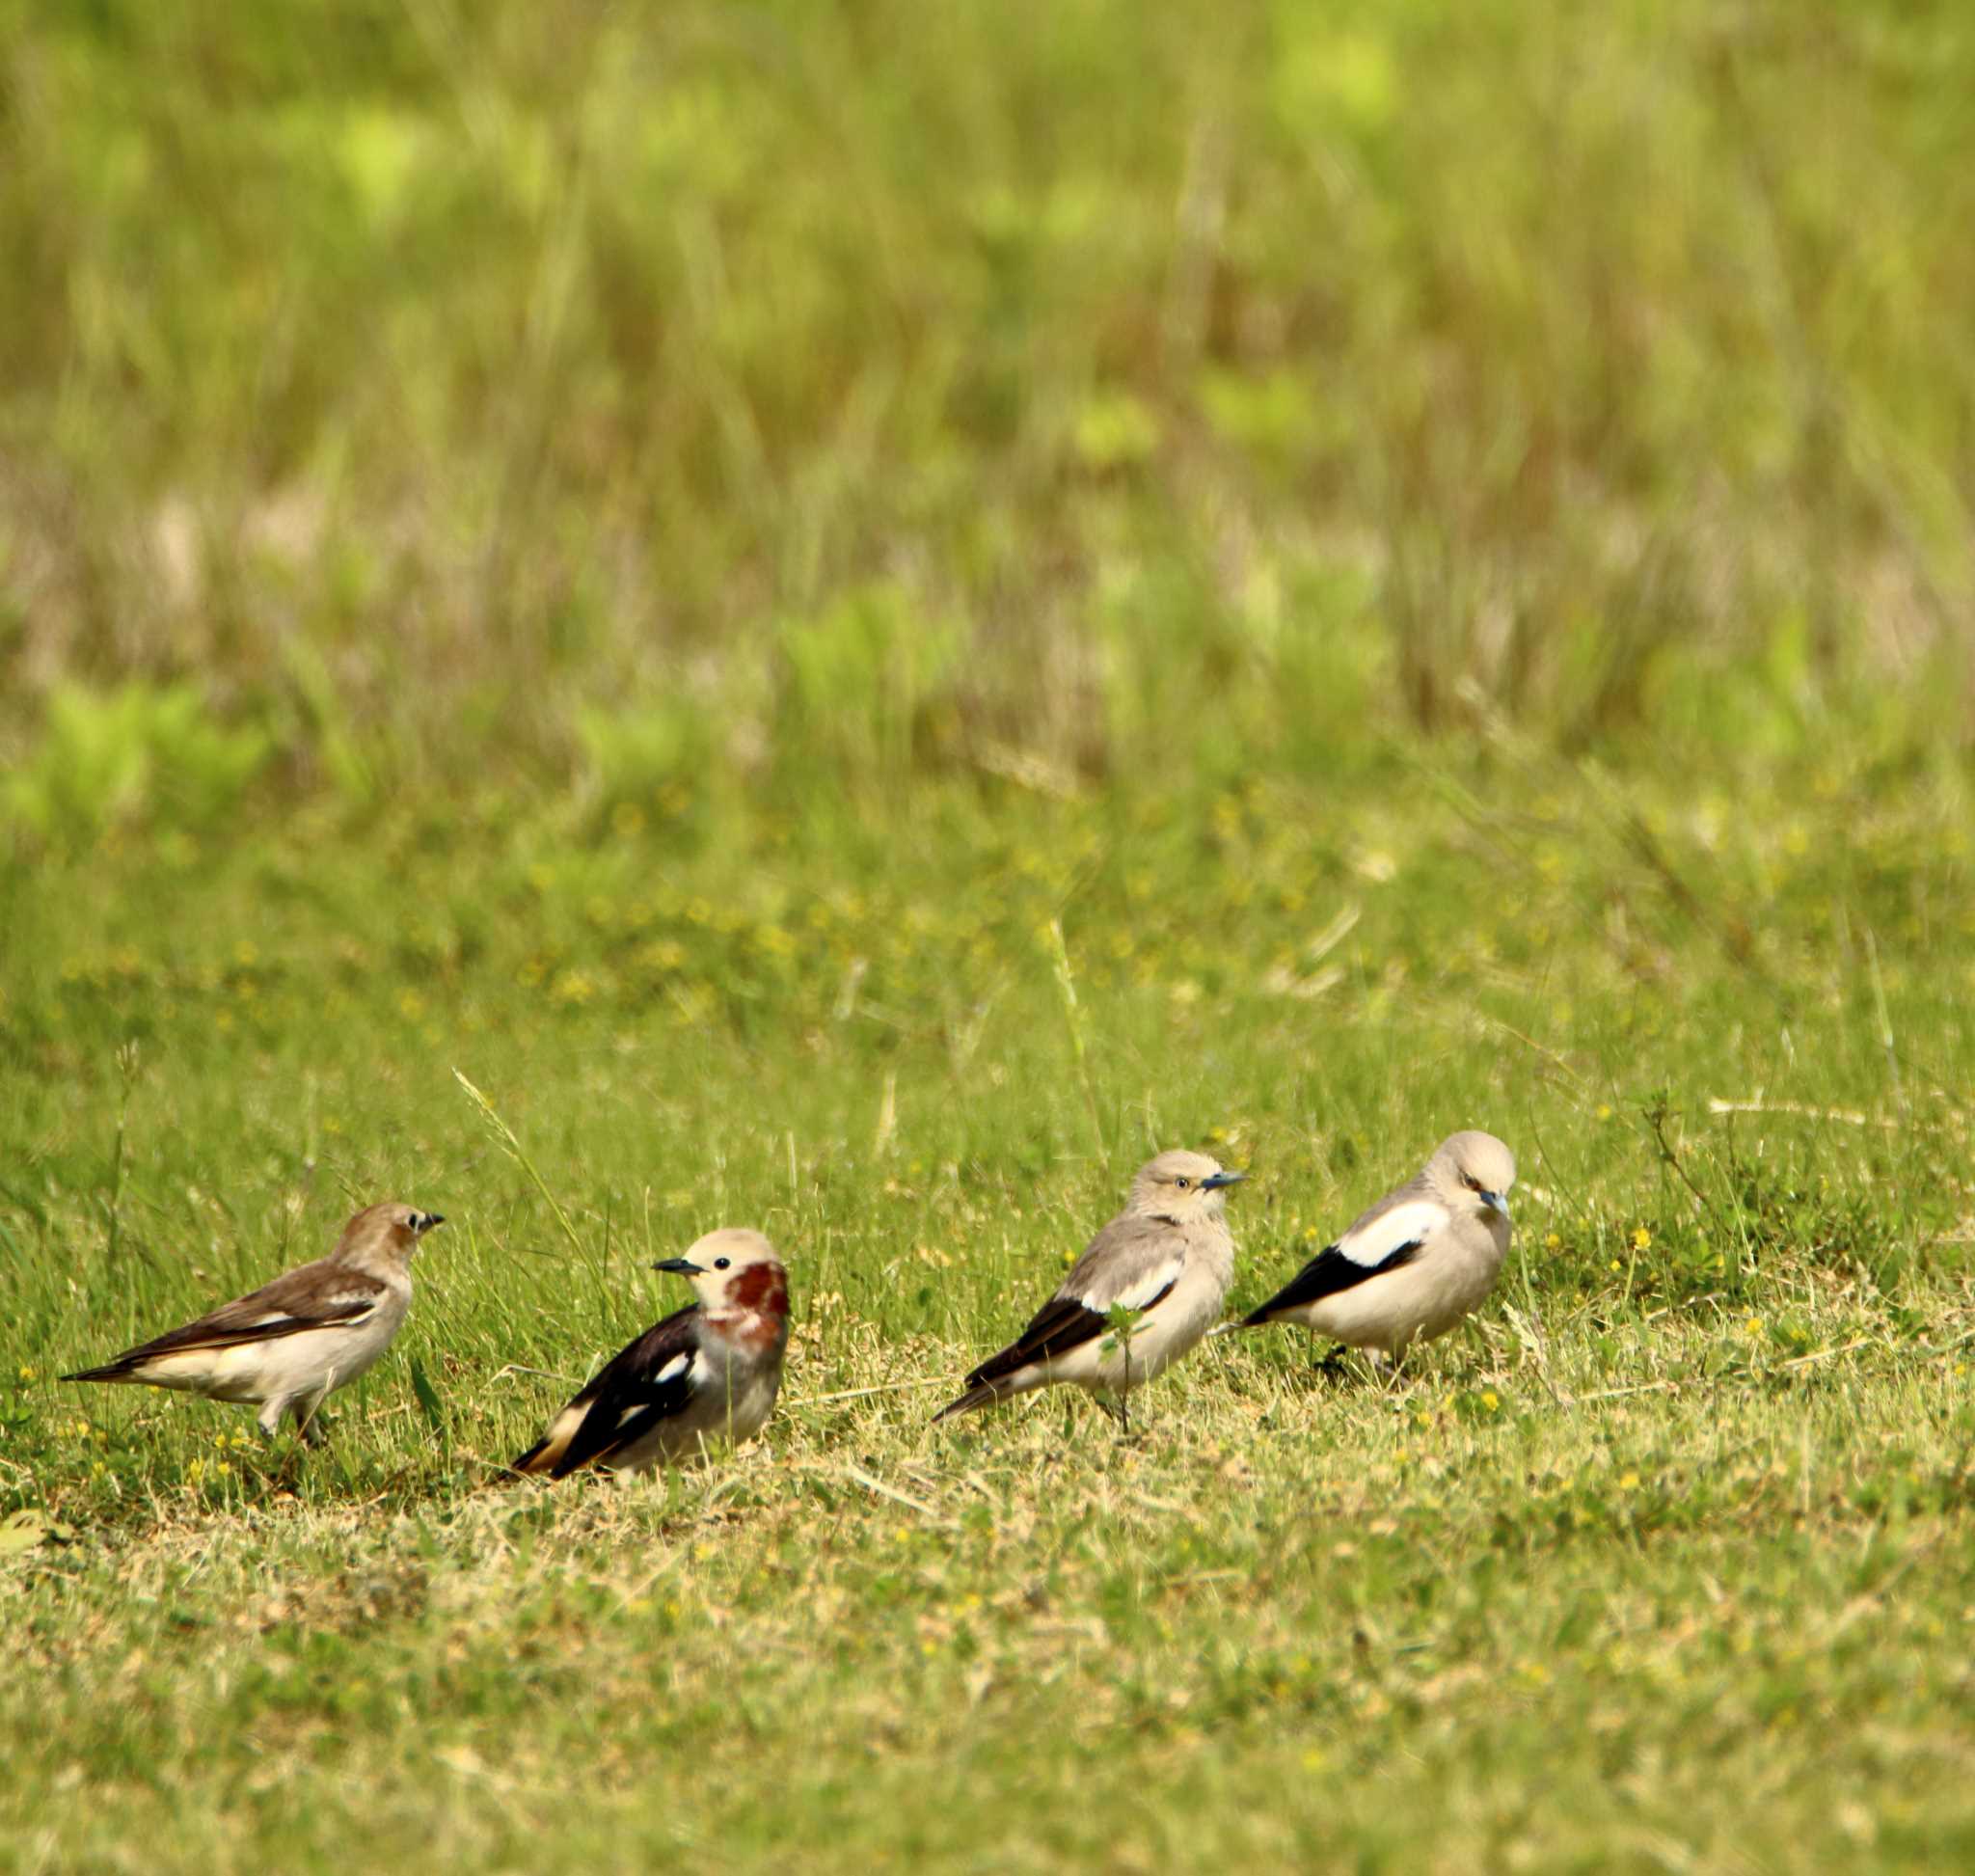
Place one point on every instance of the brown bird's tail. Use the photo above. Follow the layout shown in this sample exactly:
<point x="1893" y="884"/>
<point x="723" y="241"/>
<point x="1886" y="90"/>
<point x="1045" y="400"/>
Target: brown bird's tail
<point x="119" y="1369"/>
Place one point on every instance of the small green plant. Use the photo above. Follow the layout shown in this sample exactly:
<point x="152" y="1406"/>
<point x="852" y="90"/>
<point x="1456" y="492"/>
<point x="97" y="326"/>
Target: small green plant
<point x="137" y="753"/>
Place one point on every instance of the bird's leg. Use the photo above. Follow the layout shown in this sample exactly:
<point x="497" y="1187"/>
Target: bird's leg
<point x="1331" y="1364"/>
<point x="306" y="1426"/>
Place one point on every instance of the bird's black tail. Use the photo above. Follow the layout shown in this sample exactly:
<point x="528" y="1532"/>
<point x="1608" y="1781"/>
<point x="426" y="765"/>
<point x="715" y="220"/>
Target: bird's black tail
<point x="110" y="1371"/>
<point x="984" y="1394"/>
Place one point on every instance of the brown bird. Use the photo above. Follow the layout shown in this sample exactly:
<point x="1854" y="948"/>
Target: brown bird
<point x="288" y="1344"/>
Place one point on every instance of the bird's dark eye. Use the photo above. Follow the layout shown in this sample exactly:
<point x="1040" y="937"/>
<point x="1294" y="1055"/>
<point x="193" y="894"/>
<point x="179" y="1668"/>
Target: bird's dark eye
<point x="1472" y="1184"/>
<point x="721" y="1262"/>
<point x="1183" y="1182"/>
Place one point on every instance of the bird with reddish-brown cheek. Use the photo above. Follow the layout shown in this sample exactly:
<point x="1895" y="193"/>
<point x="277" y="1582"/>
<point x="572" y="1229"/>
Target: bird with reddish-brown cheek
<point x="707" y="1375"/>
<point x="288" y="1344"/>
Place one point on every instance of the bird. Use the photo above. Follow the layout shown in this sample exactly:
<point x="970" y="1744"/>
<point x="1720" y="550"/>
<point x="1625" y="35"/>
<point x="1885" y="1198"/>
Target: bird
<point x="288" y="1344"/>
<point x="1416" y="1263"/>
<point x="1168" y="1257"/>
<point x="707" y="1373"/>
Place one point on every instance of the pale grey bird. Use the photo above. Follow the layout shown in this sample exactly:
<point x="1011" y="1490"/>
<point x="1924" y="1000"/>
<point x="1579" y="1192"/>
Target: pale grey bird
<point x="288" y="1344"/>
<point x="708" y="1372"/>
<point x="1167" y="1256"/>
<point x="1416" y="1263"/>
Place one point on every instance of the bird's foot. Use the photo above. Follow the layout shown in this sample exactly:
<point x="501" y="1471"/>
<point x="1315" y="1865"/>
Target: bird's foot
<point x="1118" y="1412"/>
<point x="1389" y="1372"/>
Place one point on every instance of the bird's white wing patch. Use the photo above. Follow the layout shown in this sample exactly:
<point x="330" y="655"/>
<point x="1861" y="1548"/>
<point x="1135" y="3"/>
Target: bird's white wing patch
<point x="670" y="1372"/>
<point x="361" y="1305"/>
<point x="1404" y="1224"/>
<point x="1139" y="1293"/>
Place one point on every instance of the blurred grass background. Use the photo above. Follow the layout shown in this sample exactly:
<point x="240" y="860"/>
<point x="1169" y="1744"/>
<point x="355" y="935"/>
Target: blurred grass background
<point x="671" y="406"/>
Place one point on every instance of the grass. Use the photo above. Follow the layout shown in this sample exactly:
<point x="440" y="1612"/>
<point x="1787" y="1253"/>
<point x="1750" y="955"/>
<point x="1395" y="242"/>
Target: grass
<point x="1663" y="1563"/>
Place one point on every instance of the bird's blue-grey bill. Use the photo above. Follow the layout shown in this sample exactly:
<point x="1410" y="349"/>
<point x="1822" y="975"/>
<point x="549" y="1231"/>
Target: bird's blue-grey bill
<point x="1214" y="1179"/>
<point x="683" y="1266"/>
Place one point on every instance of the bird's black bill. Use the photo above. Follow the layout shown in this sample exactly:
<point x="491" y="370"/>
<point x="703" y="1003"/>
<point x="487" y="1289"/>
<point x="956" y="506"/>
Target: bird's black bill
<point x="681" y="1266"/>
<point x="1214" y="1180"/>
<point x="427" y="1222"/>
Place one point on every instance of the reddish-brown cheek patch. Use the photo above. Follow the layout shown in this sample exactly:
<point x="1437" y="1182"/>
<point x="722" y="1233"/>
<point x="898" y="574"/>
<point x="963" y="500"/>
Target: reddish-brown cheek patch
<point x="760" y="1287"/>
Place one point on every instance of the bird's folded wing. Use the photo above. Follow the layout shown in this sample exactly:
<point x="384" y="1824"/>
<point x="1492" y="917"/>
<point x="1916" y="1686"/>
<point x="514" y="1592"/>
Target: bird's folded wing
<point x="1385" y="1238"/>
<point x="1125" y="1262"/>
<point x="1133" y="1264"/>
<point x="1386" y="1229"/>
<point x="1061" y="1325"/>
<point x="631" y="1395"/>
<point x="319" y="1296"/>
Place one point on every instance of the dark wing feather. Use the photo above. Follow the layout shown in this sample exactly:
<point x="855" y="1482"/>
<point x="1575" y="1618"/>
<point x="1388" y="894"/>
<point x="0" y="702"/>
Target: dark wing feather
<point x="1327" y="1273"/>
<point x="1128" y="1250"/>
<point x="628" y="1398"/>
<point x="319" y="1295"/>
<point x="1061" y="1325"/>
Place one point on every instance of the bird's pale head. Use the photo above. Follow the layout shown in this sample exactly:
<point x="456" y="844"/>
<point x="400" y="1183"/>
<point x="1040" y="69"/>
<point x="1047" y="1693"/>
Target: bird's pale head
<point x="385" y="1234"/>
<point x="734" y="1270"/>
<point x="1182" y="1184"/>
<point x="1473" y="1167"/>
